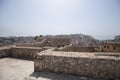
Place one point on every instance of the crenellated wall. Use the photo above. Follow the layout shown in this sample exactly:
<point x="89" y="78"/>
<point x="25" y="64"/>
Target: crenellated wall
<point x="91" y="66"/>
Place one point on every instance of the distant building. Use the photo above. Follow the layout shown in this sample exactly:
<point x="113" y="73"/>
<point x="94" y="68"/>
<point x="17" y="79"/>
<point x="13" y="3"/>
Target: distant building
<point x="110" y="47"/>
<point x="117" y="38"/>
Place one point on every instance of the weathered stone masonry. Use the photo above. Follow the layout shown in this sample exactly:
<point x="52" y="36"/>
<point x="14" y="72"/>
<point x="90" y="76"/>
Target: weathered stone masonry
<point x="5" y="52"/>
<point x="91" y="67"/>
<point x="25" y="52"/>
<point x="78" y="63"/>
<point x="20" y="52"/>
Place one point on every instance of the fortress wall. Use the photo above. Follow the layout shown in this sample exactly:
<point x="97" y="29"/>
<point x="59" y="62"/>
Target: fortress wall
<point x="90" y="67"/>
<point x="37" y="44"/>
<point x="5" y="52"/>
<point x="71" y="63"/>
<point x="78" y="49"/>
<point x="25" y="52"/>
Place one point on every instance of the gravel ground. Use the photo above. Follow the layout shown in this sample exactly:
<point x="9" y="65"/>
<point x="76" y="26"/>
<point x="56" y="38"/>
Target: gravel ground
<point x="17" y="69"/>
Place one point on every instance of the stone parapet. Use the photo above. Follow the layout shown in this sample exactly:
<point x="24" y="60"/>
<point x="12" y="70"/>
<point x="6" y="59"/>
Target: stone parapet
<point x="4" y="52"/>
<point x="76" y="63"/>
<point x="25" y="52"/>
<point x="20" y="52"/>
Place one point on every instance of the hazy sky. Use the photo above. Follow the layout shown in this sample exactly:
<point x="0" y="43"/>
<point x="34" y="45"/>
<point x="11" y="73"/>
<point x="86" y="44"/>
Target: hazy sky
<point x="99" y="18"/>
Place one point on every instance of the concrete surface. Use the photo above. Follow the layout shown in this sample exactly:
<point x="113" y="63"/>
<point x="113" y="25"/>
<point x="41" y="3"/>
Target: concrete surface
<point x="56" y="76"/>
<point x="16" y="69"/>
<point x="90" y="55"/>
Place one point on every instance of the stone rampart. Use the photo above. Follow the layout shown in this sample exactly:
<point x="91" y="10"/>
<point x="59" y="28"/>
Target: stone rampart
<point x="35" y="44"/>
<point x="20" y="52"/>
<point x="25" y="52"/>
<point x="79" y="64"/>
<point x="77" y="49"/>
<point x="4" y="52"/>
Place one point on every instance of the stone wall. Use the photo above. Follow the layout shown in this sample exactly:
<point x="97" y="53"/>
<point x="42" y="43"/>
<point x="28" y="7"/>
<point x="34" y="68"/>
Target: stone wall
<point x="90" y="67"/>
<point x="85" y="64"/>
<point x="110" y="47"/>
<point x="25" y="52"/>
<point x="4" y="52"/>
<point x="20" y="52"/>
<point x="35" y="44"/>
<point x="48" y="42"/>
<point x="77" y="49"/>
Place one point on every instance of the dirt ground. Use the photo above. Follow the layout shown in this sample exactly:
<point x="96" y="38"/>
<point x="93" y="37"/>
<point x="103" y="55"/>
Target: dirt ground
<point x="17" y="69"/>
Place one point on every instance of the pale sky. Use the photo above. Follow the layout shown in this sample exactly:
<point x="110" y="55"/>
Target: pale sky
<point x="98" y="18"/>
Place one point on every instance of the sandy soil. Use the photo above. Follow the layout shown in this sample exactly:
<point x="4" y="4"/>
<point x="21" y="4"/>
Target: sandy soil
<point x="16" y="69"/>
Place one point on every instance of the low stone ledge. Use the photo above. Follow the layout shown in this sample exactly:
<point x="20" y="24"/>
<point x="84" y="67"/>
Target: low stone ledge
<point x="98" y="67"/>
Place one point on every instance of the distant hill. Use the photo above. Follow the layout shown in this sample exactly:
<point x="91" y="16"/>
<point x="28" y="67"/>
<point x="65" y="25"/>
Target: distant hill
<point x="80" y="40"/>
<point x="83" y="40"/>
<point x="4" y="41"/>
<point x="117" y="38"/>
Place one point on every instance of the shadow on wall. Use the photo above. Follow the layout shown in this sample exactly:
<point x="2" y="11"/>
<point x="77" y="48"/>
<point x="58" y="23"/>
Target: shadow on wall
<point x="58" y="76"/>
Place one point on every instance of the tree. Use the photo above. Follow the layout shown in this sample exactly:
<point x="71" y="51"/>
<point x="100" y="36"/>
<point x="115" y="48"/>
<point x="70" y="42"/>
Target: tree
<point x="40" y="35"/>
<point x="36" y="37"/>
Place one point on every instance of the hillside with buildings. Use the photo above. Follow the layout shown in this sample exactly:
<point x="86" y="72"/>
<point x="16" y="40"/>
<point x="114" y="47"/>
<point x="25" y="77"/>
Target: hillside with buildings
<point x="5" y="41"/>
<point x="79" y="40"/>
